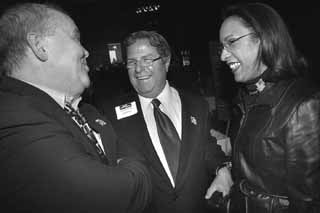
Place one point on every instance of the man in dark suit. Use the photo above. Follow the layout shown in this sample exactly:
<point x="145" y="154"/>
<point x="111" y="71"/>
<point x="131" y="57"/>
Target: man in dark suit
<point x="134" y="117"/>
<point x="53" y="160"/>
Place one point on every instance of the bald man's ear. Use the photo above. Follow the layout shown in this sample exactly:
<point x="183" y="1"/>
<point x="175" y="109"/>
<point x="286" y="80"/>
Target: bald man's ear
<point x="36" y="43"/>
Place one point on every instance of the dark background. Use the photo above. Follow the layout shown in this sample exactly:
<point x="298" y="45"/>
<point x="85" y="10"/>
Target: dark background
<point x="187" y="25"/>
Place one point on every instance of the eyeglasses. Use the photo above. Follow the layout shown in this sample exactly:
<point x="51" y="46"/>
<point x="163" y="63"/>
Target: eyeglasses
<point x="229" y="44"/>
<point x="145" y="62"/>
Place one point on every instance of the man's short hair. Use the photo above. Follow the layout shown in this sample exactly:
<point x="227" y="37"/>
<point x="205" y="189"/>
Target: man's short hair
<point x="155" y="39"/>
<point x="15" y="24"/>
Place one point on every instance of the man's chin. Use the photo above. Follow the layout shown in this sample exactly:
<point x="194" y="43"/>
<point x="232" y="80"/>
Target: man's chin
<point x="86" y="82"/>
<point x="148" y="93"/>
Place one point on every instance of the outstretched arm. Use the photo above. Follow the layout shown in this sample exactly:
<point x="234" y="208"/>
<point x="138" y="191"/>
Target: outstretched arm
<point x="48" y="169"/>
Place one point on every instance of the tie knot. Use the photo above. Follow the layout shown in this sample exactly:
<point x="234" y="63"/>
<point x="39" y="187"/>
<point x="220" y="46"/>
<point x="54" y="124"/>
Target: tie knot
<point x="75" y="114"/>
<point x="69" y="109"/>
<point x="156" y="103"/>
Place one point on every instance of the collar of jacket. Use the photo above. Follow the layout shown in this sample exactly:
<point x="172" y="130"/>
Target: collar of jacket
<point x="269" y="96"/>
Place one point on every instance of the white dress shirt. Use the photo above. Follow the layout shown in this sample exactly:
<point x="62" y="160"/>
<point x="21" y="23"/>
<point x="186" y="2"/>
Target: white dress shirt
<point x="171" y="106"/>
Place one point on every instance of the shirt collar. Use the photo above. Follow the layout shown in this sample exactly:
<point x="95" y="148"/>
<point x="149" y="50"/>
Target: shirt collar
<point x="164" y="97"/>
<point x="59" y="97"/>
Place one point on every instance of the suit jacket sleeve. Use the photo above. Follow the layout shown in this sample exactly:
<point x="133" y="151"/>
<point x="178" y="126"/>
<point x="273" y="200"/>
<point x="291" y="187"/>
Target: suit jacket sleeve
<point x="48" y="170"/>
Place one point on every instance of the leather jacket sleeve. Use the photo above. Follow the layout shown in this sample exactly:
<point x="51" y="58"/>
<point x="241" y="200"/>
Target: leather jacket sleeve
<point x="303" y="157"/>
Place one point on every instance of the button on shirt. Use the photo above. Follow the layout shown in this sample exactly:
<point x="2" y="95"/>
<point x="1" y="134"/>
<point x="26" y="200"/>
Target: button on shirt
<point x="171" y="106"/>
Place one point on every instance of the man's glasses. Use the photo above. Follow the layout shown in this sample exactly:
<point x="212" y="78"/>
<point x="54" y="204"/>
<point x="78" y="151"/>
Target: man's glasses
<point x="145" y="62"/>
<point x="230" y="44"/>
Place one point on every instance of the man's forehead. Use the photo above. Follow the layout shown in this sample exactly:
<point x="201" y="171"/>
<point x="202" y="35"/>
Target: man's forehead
<point x="64" y="22"/>
<point x="142" y="46"/>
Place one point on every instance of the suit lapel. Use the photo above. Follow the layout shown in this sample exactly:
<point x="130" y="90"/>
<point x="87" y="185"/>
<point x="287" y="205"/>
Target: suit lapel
<point x="49" y="107"/>
<point x="186" y="146"/>
<point x="102" y="126"/>
<point x="63" y="118"/>
<point x="151" y="153"/>
<point x="145" y="145"/>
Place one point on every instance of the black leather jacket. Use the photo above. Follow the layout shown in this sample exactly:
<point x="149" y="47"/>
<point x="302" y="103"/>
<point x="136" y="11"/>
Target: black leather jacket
<point x="276" y="143"/>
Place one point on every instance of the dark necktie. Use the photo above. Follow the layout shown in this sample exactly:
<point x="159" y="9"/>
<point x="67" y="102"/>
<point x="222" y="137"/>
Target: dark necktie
<point x="84" y="126"/>
<point x="168" y="136"/>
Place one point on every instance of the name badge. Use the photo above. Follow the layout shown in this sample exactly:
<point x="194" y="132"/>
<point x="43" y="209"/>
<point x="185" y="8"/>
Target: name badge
<point x="126" y="110"/>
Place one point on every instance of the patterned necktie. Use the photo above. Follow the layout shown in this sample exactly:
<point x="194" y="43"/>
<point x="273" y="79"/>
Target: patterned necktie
<point x="84" y="126"/>
<point x="168" y="136"/>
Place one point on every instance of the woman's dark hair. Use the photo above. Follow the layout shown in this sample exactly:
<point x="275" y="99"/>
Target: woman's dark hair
<point x="277" y="50"/>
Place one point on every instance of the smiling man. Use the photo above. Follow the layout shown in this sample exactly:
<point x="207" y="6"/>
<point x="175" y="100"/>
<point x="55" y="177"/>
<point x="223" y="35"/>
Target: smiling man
<point x="183" y="162"/>
<point x="54" y="160"/>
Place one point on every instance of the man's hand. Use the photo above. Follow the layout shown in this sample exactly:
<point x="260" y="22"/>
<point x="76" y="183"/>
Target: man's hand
<point x="222" y="183"/>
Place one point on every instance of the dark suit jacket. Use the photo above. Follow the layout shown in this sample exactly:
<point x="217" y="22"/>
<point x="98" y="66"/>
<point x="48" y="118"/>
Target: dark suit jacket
<point x="199" y="156"/>
<point x="48" y="165"/>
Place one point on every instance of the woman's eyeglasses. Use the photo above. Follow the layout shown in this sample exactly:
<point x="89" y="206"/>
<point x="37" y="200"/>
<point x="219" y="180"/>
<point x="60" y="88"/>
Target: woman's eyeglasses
<point x="229" y="44"/>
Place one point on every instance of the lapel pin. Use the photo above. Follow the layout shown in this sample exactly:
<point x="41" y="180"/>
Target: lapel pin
<point x="193" y="120"/>
<point x="260" y="85"/>
<point x="100" y="122"/>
